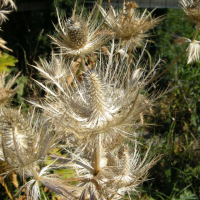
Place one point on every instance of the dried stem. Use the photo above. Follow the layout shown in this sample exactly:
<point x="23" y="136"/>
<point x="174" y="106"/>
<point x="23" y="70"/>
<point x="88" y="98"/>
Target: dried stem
<point x="97" y="156"/>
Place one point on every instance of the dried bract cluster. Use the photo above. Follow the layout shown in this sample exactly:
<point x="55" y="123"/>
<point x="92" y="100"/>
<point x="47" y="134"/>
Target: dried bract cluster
<point x="129" y="24"/>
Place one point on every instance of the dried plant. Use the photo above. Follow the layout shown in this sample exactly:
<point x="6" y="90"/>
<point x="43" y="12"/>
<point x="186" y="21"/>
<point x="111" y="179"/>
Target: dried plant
<point x="90" y="114"/>
<point x="5" y="6"/>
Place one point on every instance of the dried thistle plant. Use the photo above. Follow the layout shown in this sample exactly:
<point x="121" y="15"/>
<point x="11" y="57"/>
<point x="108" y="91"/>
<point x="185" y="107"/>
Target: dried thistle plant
<point x="93" y="116"/>
<point x="96" y="114"/>
<point x="129" y="24"/>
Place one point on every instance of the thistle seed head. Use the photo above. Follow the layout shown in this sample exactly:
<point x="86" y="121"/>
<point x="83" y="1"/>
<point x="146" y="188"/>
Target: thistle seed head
<point x="18" y="141"/>
<point x="79" y="37"/>
<point x="78" y="32"/>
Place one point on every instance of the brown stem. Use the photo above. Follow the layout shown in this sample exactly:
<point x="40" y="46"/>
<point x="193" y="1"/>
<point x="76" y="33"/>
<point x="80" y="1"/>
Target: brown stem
<point x="83" y="63"/>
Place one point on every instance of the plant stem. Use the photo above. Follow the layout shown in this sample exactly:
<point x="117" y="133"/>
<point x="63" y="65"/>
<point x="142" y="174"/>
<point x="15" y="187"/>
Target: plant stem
<point x="97" y="156"/>
<point x="83" y="63"/>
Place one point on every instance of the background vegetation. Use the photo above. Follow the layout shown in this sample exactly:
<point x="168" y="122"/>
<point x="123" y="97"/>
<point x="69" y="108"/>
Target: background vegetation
<point x="176" y="118"/>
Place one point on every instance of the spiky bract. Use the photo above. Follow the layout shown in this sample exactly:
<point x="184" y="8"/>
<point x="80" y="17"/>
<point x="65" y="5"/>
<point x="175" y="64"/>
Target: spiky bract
<point x="118" y="174"/>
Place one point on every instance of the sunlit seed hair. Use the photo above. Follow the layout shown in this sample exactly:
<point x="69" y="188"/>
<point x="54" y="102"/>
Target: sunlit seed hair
<point x="192" y="9"/>
<point x="193" y="48"/>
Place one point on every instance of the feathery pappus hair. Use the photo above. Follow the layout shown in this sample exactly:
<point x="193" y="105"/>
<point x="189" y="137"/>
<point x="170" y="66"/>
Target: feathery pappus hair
<point x="193" y="49"/>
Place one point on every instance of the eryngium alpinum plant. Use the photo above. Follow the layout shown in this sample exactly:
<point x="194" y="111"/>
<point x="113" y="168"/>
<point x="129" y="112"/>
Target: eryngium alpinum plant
<point x="91" y="119"/>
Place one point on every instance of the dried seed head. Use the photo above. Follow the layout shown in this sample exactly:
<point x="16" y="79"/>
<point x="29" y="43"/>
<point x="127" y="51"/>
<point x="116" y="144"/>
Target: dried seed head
<point x="79" y="37"/>
<point x="18" y="141"/>
<point x="129" y="24"/>
<point x="78" y="32"/>
<point x="192" y="9"/>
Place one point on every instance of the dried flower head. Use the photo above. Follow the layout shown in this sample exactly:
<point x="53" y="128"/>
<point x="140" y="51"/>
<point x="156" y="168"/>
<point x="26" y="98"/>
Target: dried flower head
<point x="77" y="36"/>
<point x="129" y="24"/>
<point x="192" y="9"/>
<point x="23" y="144"/>
<point x="5" y="88"/>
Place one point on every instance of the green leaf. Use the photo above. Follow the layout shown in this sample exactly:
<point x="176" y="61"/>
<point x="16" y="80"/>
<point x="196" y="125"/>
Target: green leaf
<point x="6" y="60"/>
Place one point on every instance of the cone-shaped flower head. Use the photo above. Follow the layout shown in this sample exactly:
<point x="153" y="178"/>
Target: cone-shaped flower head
<point x="79" y="37"/>
<point x="192" y="9"/>
<point x="129" y="24"/>
<point x="107" y="101"/>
